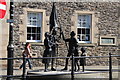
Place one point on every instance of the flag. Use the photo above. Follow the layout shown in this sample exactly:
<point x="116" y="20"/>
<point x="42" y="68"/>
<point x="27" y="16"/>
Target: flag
<point x="53" y="18"/>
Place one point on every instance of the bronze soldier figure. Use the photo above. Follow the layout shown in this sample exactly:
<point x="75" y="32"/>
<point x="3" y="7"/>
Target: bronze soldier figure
<point x="49" y="51"/>
<point x="46" y="51"/>
<point x="72" y="49"/>
<point x="53" y="50"/>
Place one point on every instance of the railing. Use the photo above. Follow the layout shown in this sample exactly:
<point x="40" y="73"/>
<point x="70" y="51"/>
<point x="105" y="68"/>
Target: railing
<point x="23" y="75"/>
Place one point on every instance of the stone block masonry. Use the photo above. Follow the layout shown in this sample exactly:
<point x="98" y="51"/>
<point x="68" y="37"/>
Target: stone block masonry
<point x="105" y="12"/>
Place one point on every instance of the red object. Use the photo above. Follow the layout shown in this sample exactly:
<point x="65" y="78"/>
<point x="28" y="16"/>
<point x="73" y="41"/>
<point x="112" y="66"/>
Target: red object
<point x="2" y="8"/>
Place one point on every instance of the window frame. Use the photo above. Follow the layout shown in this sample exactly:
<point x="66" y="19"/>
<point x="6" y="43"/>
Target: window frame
<point x="35" y="26"/>
<point x="92" y="28"/>
<point x="108" y="37"/>
<point x="78" y="27"/>
<point x="23" y="27"/>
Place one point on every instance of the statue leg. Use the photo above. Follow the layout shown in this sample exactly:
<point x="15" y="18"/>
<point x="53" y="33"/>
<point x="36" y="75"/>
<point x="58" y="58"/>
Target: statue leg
<point x="66" y="64"/>
<point x="53" y="69"/>
<point x="46" y="65"/>
<point x="77" y="64"/>
<point x="52" y="62"/>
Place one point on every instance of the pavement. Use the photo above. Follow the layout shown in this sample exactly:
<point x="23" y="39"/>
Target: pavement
<point x="90" y="72"/>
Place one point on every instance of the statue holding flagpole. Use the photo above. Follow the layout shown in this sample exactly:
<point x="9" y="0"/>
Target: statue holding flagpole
<point x="50" y="41"/>
<point x="54" y="36"/>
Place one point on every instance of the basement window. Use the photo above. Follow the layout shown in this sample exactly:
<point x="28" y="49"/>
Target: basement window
<point x="105" y="40"/>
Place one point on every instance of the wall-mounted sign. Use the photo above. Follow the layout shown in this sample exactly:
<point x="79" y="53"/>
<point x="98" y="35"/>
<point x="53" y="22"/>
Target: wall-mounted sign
<point x="2" y="8"/>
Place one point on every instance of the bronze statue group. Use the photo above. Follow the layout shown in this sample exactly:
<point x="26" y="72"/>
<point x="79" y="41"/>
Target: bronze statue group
<point x="50" y="51"/>
<point x="50" y="46"/>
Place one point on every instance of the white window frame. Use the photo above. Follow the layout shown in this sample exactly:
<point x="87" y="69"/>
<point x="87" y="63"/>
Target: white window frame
<point x="108" y="37"/>
<point x="93" y="29"/>
<point x="84" y="27"/>
<point x="23" y="26"/>
<point x="37" y="25"/>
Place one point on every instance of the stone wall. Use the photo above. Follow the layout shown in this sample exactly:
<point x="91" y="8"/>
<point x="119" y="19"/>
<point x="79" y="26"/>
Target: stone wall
<point x="107" y="14"/>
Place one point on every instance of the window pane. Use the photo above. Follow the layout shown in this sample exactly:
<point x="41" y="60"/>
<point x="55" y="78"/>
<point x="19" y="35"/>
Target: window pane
<point x="84" y="20"/>
<point x="79" y="21"/>
<point x="28" y="29"/>
<point x="87" y="38"/>
<point x="33" y="29"/>
<point x="83" y="31"/>
<point x="34" y="23"/>
<point x="79" y="31"/>
<point x="87" y="31"/>
<point x="84" y="24"/>
<point x="83" y="38"/>
<point x="38" y="30"/>
<point x="28" y="36"/>
<point x="78" y="38"/>
<point x="33" y="37"/>
<point x="38" y="36"/>
<point x="108" y="40"/>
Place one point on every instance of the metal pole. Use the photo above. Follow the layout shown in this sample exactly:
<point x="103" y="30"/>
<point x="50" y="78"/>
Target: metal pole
<point x="110" y="67"/>
<point x="83" y="65"/>
<point x="72" y="70"/>
<point x="24" y="68"/>
<point x="57" y="55"/>
<point x="10" y="47"/>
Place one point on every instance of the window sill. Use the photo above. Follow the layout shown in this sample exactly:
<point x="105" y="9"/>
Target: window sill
<point x="37" y="44"/>
<point x="114" y="45"/>
<point x="87" y="44"/>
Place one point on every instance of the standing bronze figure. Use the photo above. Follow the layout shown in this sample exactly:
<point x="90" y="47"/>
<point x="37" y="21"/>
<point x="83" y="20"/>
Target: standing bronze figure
<point x="49" y="51"/>
<point x="72" y="49"/>
<point x="83" y="60"/>
<point x="53" y="50"/>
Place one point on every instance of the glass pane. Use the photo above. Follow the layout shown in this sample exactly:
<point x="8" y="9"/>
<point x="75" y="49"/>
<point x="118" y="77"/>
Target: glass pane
<point x="108" y="40"/>
<point x="79" y="21"/>
<point x="83" y="38"/>
<point x="87" y="31"/>
<point x="84" y="20"/>
<point x="84" y="24"/>
<point x="38" y="30"/>
<point x="28" y="36"/>
<point x="84" y="17"/>
<point x="83" y="31"/>
<point x="33" y="29"/>
<point x="79" y="31"/>
<point x="88" y="18"/>
<point x="33" y="37"/>
<point x="78" y="37"/>
<point x="34" y="18"/>
<point x="38" y="36"/>
<point x="34" y="23"/>
<point x="87" y="37"/>
<point x="28" y="29"/>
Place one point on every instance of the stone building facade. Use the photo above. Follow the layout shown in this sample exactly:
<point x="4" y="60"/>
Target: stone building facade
<point x="96" y="25"/>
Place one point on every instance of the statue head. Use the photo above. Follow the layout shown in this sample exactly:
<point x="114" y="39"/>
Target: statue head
<point x="72" y="33"/>
<point x="46" y="34"/>
<point x="83" y="50"/>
